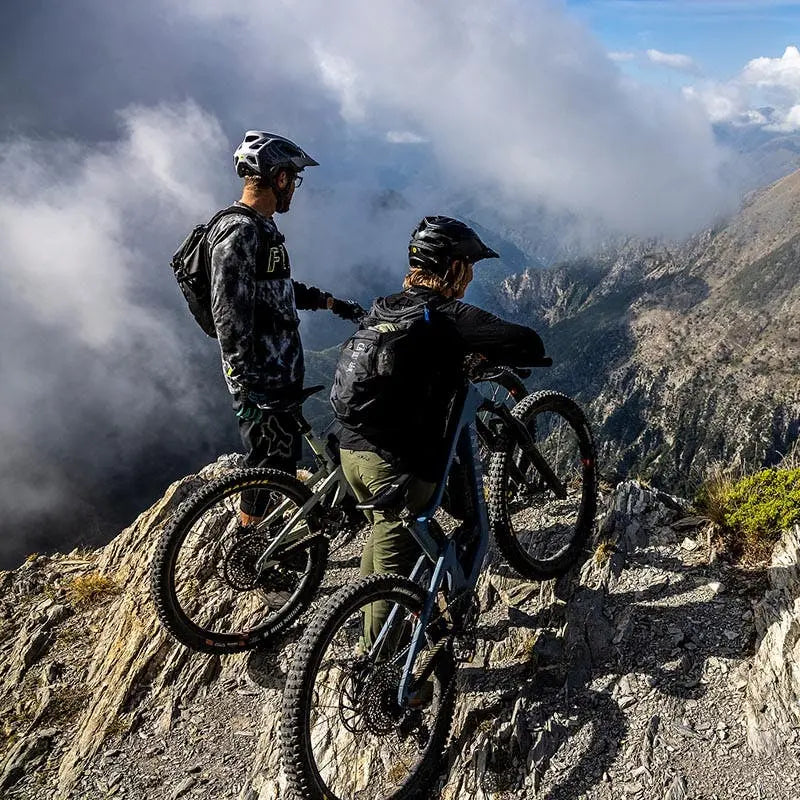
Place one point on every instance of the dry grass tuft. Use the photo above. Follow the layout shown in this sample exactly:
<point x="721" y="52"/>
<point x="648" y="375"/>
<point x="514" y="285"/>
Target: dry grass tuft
<point x="87" y="590"/>
<point x="603" y="551"/>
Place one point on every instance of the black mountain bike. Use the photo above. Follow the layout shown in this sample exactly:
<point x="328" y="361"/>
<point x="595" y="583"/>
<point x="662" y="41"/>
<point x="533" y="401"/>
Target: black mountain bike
<point x="223" y="587"/>
<point x="367" y="715"/>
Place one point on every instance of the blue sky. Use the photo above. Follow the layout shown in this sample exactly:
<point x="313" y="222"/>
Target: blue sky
<point x="721" y="36"/>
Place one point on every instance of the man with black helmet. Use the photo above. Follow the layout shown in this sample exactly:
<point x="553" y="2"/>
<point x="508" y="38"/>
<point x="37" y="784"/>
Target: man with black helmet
<point x="441" y="253"/>
<point x="254" y="304"/>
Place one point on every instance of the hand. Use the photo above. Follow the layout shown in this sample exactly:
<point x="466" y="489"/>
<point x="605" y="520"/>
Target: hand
<point x="347" y="309"/>
<point x="249" y="412"/>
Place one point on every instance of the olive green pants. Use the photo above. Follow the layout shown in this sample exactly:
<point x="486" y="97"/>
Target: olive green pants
<point x="390" y="547"/>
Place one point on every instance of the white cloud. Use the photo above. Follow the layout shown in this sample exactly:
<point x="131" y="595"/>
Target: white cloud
<point x="677" y="61"/>
<point x="518" y="102"/>
<point x="783" y="72"/>
<point x="341" y="77"/>
<point x="84" y="278"/>
<point x="92" y="350"/>
<point x="404" y="137"/>
<point x="772" y="83"/>
<point x="621" y="56"/>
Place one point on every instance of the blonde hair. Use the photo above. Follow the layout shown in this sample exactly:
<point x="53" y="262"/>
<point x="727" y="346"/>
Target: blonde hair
<point x="452" y="284"/>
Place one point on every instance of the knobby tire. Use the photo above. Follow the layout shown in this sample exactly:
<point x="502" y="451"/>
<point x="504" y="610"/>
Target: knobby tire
<point x="299" y="762"/>
<point x="168" y="607"/>
<point x="506" y="461"/>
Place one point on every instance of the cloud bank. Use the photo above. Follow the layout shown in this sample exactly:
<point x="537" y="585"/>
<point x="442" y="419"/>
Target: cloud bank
<point x="765" y="93"/>
<point x="515" y="99"/>
<point x="508" y="112"/>
<point x="92" y="348"/>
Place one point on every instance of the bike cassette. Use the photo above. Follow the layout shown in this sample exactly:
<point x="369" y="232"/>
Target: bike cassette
<point x="241" y="559"/>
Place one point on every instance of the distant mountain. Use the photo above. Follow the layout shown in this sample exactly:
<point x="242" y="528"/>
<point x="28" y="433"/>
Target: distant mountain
<point x="759" y="156"/>
<point x="685" y="354"/>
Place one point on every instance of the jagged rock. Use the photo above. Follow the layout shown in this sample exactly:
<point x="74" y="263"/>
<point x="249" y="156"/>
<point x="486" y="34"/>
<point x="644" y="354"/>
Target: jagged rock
<point x="773" y="687"/>
<point x="577" y="687"/>
<point x="25" y="756"/>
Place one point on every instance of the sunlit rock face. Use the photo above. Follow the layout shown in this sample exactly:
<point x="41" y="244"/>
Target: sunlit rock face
<point x="633" y="675"/>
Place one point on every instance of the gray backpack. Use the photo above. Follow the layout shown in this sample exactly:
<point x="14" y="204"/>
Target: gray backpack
<point x="192" y="267"/>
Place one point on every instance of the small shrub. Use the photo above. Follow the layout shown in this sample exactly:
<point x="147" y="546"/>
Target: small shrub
<point x="603" y="551"/>
<point x="87" y="590"/>
<point x="712" y="497"/>
<point x="752" y="511"/>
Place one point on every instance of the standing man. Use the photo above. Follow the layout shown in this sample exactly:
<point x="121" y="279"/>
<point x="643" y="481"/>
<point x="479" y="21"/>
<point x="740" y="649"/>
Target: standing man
<point x="254" y="304"/>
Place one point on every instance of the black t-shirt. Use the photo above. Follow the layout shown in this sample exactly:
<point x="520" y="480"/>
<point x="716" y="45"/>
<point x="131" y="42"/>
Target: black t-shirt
<point x="416" y="442"/>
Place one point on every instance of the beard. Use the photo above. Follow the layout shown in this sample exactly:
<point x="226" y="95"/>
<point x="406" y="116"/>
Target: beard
<point x="284" y="200"/>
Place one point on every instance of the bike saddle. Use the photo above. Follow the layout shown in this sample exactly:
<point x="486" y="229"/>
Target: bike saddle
<point x="390" y="498"/>
<point x="288" y="405"/>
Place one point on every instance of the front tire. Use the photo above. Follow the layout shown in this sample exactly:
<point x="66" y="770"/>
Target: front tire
<point x="541" y="535"/>
<point x="343" y="735"/>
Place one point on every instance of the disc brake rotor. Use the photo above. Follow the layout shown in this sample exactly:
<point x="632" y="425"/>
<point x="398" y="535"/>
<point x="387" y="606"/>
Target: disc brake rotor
<point x="240" y="570"/>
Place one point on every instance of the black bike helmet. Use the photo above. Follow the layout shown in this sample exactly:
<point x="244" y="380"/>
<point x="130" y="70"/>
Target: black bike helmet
<point x="436" y="241"/>
<point x="265" y="154"/>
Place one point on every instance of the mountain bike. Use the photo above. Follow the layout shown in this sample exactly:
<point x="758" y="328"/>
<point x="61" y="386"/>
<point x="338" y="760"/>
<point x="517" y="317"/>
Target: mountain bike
<point x="222" y="587"/>
<point x="367" y="714"/>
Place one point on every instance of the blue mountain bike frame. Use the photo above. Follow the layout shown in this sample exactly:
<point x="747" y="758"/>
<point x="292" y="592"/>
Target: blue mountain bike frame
<point x="441" y="550"/>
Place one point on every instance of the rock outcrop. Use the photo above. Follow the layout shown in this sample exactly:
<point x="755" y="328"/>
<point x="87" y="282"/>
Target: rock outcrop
<point x="631" y="677"/>
<point x="773" y="689"/>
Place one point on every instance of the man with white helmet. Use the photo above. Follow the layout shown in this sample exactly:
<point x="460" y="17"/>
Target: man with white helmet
<point x="254" y="304"/>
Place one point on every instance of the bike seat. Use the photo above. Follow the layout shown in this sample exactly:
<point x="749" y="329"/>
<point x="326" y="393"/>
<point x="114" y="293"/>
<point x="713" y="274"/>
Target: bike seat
<point x="390" y="498"/>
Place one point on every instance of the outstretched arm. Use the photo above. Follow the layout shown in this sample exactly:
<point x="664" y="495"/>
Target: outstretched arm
<point x="500" y="341"/>
<point x="309" y="298"/>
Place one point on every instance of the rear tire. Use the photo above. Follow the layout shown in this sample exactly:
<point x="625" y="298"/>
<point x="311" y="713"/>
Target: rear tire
<point x="540" y="535"/>
<point x="205" y="588"/>
<point x="342" y="734"/>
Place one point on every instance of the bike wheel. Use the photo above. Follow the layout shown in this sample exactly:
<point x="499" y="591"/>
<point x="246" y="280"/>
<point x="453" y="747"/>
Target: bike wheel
<point x="540" y="534"/>
<point x="207" y="590"/>
<point x="343" y="734"/>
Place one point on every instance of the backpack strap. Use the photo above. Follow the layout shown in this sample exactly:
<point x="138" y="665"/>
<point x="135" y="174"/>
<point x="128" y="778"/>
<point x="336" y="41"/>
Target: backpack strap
<point x="264" y="243"/>
<point x="247" y="212"/>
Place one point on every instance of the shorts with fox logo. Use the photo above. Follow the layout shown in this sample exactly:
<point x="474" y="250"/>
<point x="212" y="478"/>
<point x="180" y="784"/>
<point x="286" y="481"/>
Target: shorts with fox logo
<point x="274" y="442"/>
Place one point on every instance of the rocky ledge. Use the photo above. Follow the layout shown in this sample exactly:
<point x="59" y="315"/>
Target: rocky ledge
<point x="653" y="671"/>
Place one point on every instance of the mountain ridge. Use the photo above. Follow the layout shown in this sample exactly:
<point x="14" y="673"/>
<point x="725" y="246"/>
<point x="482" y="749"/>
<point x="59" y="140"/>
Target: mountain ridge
<point x="685" y="354"/>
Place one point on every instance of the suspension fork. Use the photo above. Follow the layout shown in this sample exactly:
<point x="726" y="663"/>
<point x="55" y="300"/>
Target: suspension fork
<point x="404" y="689"/>
<point x="527" y="445"/>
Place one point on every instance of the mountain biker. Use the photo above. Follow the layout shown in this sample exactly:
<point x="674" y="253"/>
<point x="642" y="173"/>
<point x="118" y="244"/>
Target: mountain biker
<point x="254" y="304"/>
<point x="442" y="251"/>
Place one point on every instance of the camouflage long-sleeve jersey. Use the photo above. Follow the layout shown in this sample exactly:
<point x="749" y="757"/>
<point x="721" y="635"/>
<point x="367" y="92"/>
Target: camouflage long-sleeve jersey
<point x="254" y="303"/>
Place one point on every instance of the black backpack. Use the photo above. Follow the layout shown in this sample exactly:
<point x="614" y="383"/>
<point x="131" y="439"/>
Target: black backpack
<point x="385" y="369"/>
<point x="192" y="267"/>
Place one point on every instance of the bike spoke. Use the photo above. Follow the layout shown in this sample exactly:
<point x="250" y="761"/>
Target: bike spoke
<point x="358" y="734"/>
